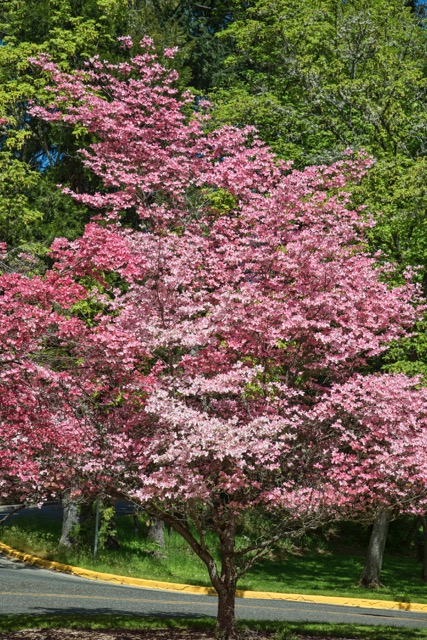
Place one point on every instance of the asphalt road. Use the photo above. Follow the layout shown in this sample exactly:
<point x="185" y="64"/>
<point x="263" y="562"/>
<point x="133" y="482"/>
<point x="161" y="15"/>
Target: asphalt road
<point x="31" y="590"/>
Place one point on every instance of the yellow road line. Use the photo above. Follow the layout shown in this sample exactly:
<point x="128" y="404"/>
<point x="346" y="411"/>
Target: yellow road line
<point x="78" y="596"/>
<point x="187" y="588"/>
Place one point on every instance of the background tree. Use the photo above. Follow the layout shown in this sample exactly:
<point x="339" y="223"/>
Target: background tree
<point x="316" y="78"/>
<point x="345" y="74"/>
<point x="34" y="157"/>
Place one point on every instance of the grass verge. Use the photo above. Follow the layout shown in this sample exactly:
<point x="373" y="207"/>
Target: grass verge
<point x="279" y="630"/>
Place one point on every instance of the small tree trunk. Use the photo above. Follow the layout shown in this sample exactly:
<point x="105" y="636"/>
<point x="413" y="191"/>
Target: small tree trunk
<point x="226" y="620"/>
<point x="135" y="524"/>
<point x="226" y="584"/>
<point x="424" y="558"/>
<point x="370" y="577"/>
<point x="70" y="519"/>
<point x="156" y="532"/>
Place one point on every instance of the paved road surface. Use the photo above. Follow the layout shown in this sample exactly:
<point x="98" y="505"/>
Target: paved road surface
<point x="31" y="590"/>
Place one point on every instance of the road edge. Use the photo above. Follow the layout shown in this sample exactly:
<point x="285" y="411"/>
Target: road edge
<point x="210" y="591"/>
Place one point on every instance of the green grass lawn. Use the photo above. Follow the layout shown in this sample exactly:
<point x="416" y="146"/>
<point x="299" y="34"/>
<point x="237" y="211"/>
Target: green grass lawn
<point x="293" y="571"/>
<point x="248" y="628"/>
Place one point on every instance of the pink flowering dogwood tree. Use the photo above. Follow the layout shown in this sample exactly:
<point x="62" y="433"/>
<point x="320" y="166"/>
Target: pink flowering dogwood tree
<point x="35" y="423"/>
<point x="218" y="383"/>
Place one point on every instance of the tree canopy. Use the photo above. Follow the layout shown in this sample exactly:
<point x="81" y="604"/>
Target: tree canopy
<point x="206" y="360"/>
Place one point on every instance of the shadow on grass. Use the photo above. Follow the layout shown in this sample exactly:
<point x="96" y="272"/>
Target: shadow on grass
<point x="337" y="574"/>
<point x="318" y="572"/>
<point x="103" y="620"/>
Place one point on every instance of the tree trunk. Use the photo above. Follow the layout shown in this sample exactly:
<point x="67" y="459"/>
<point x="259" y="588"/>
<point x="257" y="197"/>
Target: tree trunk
<point x="226" y="620"/>
<point x="156" y="532"/>
<point x="135" y="524"/>
<point x="424" y="558"/>
<point x="70" y="520"/>
<point x="226" y="584"/>
<point x="371" y="574"/>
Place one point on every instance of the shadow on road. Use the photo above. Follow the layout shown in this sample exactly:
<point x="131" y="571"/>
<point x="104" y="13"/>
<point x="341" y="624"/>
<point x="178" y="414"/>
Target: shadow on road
<point x="47" y="614"/>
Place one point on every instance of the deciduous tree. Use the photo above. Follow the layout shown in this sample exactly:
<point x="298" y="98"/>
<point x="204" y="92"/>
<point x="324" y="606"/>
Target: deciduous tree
<point x="217" y="382"/>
